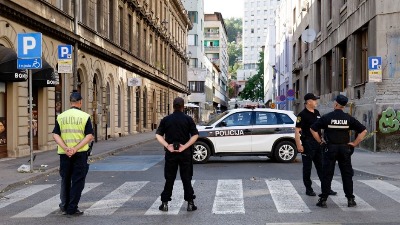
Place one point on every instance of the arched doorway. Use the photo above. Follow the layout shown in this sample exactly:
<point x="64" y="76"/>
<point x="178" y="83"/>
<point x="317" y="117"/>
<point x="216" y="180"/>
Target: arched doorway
<point x="154" y="113"/>
<point x="138" y="109"/>
<point x="95" y="105"/>
<point x="144" y="108"/>
<point x="128" y="99"/>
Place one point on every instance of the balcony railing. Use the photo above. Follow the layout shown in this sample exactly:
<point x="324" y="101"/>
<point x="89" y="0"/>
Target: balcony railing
<point x="211" y="48"/>
<point x="211" y="35"/>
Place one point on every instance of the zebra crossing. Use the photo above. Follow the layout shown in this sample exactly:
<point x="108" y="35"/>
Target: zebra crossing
<point x="228" y="197"/>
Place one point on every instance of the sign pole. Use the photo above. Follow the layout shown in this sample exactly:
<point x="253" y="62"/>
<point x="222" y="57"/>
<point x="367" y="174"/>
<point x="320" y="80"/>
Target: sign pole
<point x="30" y="118"/>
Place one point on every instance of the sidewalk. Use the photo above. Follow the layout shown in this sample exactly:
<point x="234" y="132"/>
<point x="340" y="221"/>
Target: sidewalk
<point x="378" y="164"/>
<point x="9" y="177"/>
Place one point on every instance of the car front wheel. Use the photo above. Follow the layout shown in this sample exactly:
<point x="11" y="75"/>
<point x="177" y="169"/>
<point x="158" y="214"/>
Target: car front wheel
<point x="285" y="152"/>
<point x="201" y="152"/>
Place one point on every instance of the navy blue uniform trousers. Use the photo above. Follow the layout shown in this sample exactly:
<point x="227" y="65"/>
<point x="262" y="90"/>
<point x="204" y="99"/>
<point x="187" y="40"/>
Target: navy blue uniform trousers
<point x="182" y="160"/>
<point x="312" y="153"/>
<point x="342" y="154"/>
<point x="73" y="173"/>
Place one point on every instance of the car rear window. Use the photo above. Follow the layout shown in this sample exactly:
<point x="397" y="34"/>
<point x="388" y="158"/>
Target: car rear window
<point x="285" y="119"/>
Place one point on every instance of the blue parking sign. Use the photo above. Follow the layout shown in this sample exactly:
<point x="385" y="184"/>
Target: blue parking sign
<point x="374" y="63"/>
<point x="65" y="52"/>
<point x="29" y="45"/>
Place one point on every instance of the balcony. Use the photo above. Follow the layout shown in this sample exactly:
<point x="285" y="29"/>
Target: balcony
<point x="211" y="48"/>
<point x="297" y="67"/>
<point x="211" y="35"/>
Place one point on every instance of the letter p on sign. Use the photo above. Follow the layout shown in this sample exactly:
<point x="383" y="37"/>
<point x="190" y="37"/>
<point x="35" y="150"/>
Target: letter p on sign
<point x="64" y="52"/>
<point x="29" y="45"/>
<point x="374" y="63"/>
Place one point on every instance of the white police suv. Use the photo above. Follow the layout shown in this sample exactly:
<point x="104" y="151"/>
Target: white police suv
<point x="259" y="131"/>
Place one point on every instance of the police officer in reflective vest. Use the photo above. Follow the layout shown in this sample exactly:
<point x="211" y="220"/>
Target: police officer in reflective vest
<point x="72" y="132"/>
<point x="336" y="127"/>
<point x="180" y="134"/>
<point x="306" y="143"/>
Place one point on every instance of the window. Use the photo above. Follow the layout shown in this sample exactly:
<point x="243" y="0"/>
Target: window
<point x="196" y="86"/>
<point x="119" y="107"/>
<point x="192" y="40"/>
<point x="252" y="30"/>
<point x="99" y="14"/>
<point x="238" y="119"/>
<point x="285" y="119"/>
<point x="266" y="118"/>
<point x="111" y="19"/>
<point x="121" y="26"/>
<point x="130" y="41"/>
<point x="193" y="63"/>
<point x="193" y="16"/>
<point x="108" y="100"/>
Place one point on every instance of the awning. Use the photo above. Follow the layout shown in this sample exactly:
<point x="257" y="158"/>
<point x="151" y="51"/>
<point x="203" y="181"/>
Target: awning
<point x="46" y="76"/>
<point x="191" y="105"/>
<point x="8" y="66"/>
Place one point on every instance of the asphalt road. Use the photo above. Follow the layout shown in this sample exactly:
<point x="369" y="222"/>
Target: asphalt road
<point x="125" y="189"/>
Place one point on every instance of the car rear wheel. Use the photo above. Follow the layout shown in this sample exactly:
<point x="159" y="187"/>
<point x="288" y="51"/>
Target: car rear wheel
<point x="285" y="152"/>
<point x="201" y="152"/>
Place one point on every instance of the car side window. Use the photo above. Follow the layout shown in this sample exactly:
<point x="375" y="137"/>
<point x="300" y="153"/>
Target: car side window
<point x="238" y="119"/>
<point x="266" y="118"/>
<point x="286" y="119"/>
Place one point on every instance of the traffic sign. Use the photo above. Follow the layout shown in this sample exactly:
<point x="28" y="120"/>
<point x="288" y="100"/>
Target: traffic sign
<point x="29" y="45"/>
<point x="374" y="63"/>
<point x="65" y="52"/>
<point x="23" y="64"/>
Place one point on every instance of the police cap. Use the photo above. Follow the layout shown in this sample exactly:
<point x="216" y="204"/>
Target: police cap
<point x="309" y="96"/>
<point x="75" y="97"/>
<point x="341" y="100"/>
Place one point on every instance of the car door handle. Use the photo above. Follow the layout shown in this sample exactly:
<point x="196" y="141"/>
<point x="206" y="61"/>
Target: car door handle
<point x="247" y="131"/>
<point x="278" y="129"/>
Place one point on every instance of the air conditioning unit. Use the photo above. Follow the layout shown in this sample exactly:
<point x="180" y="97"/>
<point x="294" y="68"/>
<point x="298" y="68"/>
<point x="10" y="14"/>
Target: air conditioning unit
<point x="297" y="67"/>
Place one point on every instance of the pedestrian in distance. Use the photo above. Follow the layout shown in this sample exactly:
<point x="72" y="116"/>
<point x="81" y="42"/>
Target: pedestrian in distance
<point x="72" y="133"/>
<point x="336" y="126"/>
<point x="306" y="144"/>
<point x="177" y="133"/>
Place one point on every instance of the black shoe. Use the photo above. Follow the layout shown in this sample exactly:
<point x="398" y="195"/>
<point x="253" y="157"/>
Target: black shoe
<point x="310" y="193"/>
<point x="351" y="202"/>
<point x="322" y="203"/>
<point x="191" y="206"/>
<point x="163" y="206"/>
<point x="76" y="213"/>
<point x="62" y="211"/>
<point x="332" y="192"/>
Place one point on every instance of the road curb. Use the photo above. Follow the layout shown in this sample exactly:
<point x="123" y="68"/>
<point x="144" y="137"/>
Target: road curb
<point x="364" y="172"/>
<point x="93" y="158"/>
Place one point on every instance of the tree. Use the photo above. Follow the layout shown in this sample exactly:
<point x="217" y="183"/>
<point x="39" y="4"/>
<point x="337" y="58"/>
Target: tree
<point x="233" y="28"/>
<point x="254" y="88"/>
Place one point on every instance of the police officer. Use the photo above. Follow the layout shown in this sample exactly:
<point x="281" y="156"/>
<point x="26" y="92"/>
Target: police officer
<point x="306" y="144"/>
<point x="72" y="132"/>
<point x="180" y="134"/>
<point x="336" y="127"/>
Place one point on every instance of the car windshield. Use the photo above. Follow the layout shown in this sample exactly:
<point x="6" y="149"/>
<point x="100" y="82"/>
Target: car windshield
<point x="215" y="118"/>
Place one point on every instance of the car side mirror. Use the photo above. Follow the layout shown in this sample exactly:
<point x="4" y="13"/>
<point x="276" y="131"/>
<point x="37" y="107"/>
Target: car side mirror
<point x="223" y="124"/>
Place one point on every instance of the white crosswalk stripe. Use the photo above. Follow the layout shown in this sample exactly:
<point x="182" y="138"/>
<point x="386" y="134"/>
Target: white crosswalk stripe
<point x="22" y="194"/>
<point x="229" y="197"/>
<point x="110" y="203"/>
<point x="50" y="205"/>
<point x="174" y="206"/>
<point x="285" y="197"/>
<point x="385" y="188"/>
<point x="341" y="200"/>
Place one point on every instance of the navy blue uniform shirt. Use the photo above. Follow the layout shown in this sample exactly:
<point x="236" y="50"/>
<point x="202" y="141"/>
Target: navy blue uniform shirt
<point x="304" y="121"/>
<point x="177" y="127"/>
<point x="336" y="126"/>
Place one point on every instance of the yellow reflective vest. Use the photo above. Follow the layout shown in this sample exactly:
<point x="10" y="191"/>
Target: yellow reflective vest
<point x="72" y="125"/>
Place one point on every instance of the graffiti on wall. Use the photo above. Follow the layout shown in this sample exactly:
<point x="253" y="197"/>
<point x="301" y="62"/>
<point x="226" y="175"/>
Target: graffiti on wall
<point x="389" y="121"/>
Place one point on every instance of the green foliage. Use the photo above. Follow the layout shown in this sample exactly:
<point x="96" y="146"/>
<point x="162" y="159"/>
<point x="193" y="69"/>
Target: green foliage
<point x="233" y="28"/>
<point x="254" y="89"/>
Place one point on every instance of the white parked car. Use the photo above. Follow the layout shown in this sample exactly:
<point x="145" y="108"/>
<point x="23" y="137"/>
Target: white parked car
<point x="260" y="131"/>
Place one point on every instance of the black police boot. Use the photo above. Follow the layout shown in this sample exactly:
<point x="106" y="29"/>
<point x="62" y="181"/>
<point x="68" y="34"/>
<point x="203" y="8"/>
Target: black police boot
<point x="163" y="206"/>
<point x="332" y="192"/>
<point x="191" y="206"/>
<point x="310" y="193"/>
<point x="322" y="203"/>
<point x="351" y="202"/>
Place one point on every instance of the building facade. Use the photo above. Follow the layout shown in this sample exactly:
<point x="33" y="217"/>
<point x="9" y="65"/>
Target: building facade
<point x="115" y="42"/>
<point x="259" y="16"/>
<point x="216" y="50"/>
<point x="336" y="61"/>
